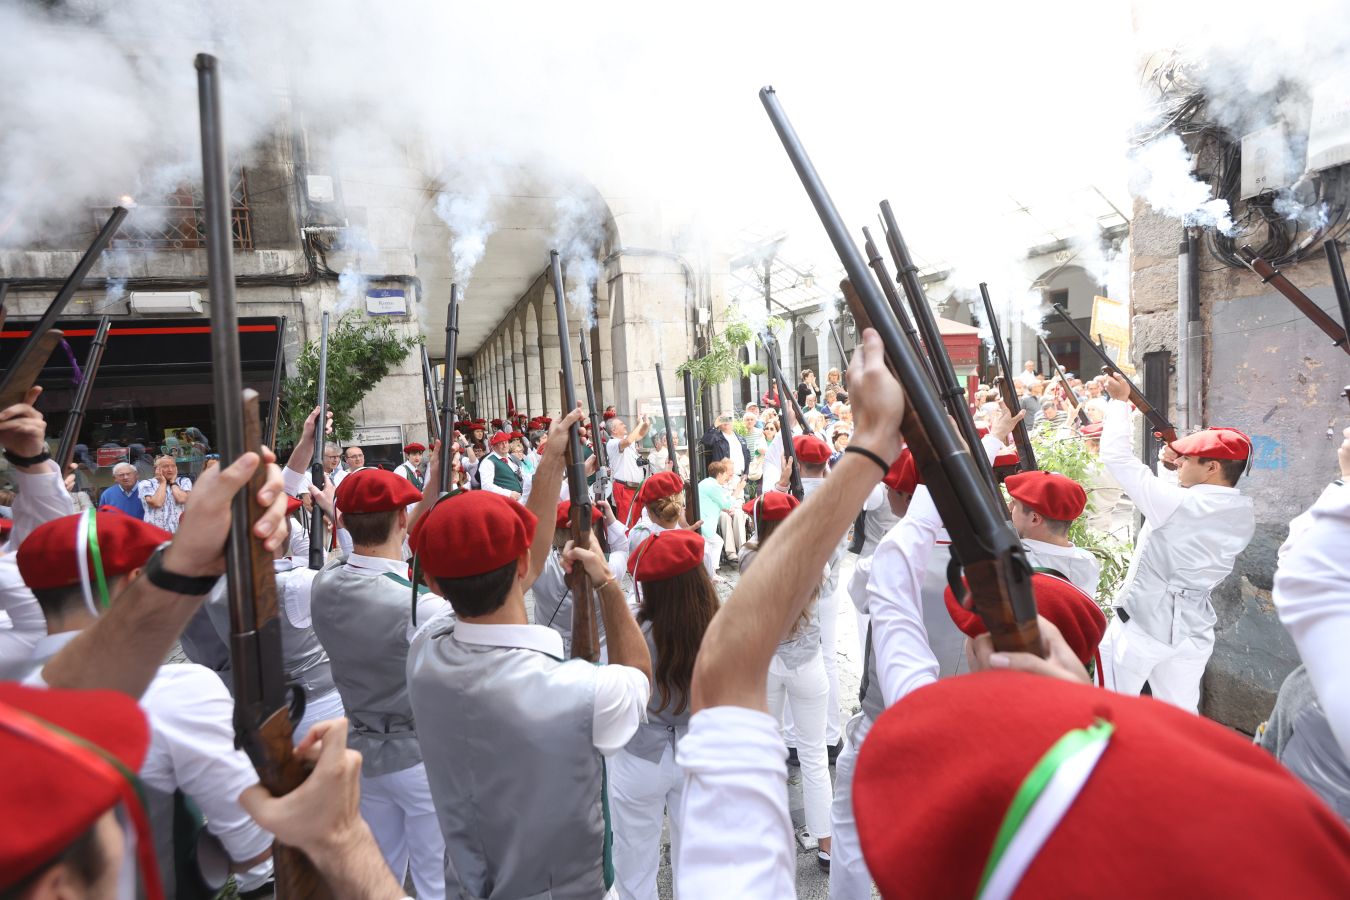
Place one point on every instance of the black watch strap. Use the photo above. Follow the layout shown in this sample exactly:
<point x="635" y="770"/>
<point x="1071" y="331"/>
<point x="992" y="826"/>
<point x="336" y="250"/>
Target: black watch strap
<point x="25" y="461"/>
<point x="162" y="578"/>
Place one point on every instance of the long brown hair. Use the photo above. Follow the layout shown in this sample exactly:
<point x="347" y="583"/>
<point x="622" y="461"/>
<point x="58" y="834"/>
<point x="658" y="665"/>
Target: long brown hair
<point x="679" y="610"/>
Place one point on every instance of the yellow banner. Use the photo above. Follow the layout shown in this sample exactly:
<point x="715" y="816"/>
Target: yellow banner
<point x="1111" y="320"/>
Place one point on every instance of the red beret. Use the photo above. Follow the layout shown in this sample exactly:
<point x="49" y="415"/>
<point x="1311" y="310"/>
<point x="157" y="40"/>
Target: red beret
<point x="1073" y="612"/>
<point x="473" y="532"/>
<point x="773" y="506"/>
<point x="6" y="526"/>
<point x="293" y="504"/>
<point x="49" y="557"/>
<point x="564" y="519"/>
<point x="479" y="424"/>
<point x="1005" y="459"/>
<point x="662" y="484"/>
<point x="516" y="436"/>
<point x="608" y="414"/>
<point x="811" y="449"/>
<point x="375" y="490"/>
<point x="939" y="771"/>
<point x="1049" y="493"/>
<point x="545" y="421"/>
<point x="500" y="437"/>
<point x="1215" y="443"/>
<point x="1091" y="430"/>
<point x="63" y="785"/>
<point x="903" y="476"/>
<point x="666" y="554"/>
<point x="414" y="447"/>
<point x="496" y="423"/>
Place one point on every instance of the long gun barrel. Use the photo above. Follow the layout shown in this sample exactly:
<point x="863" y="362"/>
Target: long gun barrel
<point x="1157" y="421"/>
<point x="433" y="414"/>
<point x="1273" y="277"/>
<point x="316" y="541"/>
<point x="694" y="430"/>
<point x="262" y="704"/>
<point x="839" y="346"/>
<point x="274" y="398"/>
<point x="786" y="399"/>
<point x="65" y="452"/>
<point x="33" y="354"/>
<point x="448" y="387"/>
<point x="1338" y="282"/>
<point x="598" y="436"/>
<point x="665" y="415"/>
<point x="1005" y="384"/>
<point x="943" y="373"/>
<point x="1077" y="408"/>
<point x="893" y="298"/>
<point x="983" y="541"/>
<point x="585" y="631"/>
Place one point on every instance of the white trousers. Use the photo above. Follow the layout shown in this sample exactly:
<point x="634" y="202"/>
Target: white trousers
<point x="318" y="709"/>
<point x="399" y="810"/>
<point x="849" y="877"/>
<point x="640" y="795"/>
<point x="1130" y="657"/>
<point x="829" y="640"/>
<point x="731" y="525"/>
<point x="806" y="691"/>
<point x="712" y="553"/>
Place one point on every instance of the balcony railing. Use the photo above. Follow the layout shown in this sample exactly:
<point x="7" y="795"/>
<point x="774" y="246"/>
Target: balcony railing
<point x="179" y="223"/>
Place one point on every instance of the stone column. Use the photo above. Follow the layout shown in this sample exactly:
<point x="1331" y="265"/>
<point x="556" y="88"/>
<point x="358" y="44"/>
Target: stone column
<point x="649" y="323"/>
<point x="549" y="357"/>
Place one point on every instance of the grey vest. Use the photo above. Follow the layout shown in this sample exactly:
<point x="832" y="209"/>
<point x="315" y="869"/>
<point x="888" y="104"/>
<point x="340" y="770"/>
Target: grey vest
<point x="505" y="475"/>
<point x="304" y="658"/>
<point x="553" y="603"/>
<point x="362" y="621"/>
<point x="518" y="784"/>
<point x="664" y="727"/>
<point x="1166" y="591"/>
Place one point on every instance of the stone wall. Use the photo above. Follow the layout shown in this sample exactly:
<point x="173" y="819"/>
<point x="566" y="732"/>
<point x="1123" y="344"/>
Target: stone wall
<point x="1269" y="372"/>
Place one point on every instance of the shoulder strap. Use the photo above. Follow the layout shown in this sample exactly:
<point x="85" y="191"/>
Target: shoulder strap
<point x="421" y="588"/>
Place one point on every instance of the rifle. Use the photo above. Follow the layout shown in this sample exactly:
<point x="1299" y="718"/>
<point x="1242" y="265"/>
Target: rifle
<point x="274" y="402"/>
<point x="1272" y="276"/>
<point x="448" y="388"/>
<point x="983" y="542"/>
<point x="1078" y="410"/>
<point x="316" y="541"/>
<point x="70" y="434"/>
<point x="4" y="292"/>
<point x="1004" y="381"/>
<point x="948" y="387"/>
<point x="1333" y="251"/>
<point x="839" y="345"/>
<point x="598" y="442"/>
<point x="585" y="632"/>
<point x="691" y="505"/>
<point x="263" y="703"/>
<point x="784" y="426"/>
<point x="1163" y="428"/>
<point x="893" y="298"/>
<point x="665" y="415"/>
<point x="429" y="398"/>
<point x="33" y="354"/>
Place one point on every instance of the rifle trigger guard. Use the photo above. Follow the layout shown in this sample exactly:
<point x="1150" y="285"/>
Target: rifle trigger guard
<point x="297" y="704"/>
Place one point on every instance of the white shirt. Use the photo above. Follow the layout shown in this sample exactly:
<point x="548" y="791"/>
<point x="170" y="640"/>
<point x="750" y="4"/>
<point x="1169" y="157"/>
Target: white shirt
<point x="192" y="747"/>
<point x="1074" y="563"/>
<point x="621" y="692"/>
<point x="773" y="464"/>
<point x="736" y="837"/>
<point x="1028" y="379"/>
<point x="623" y="464"/>
<point x="165" y="516"/>
<point x="488" y="471"/>
<point x="905" y="660"/>
<point x="735" y="454"/>
<point x="1312" y="597"/>
<point x="40" y="498"/>
<point x="1156" y="495"/>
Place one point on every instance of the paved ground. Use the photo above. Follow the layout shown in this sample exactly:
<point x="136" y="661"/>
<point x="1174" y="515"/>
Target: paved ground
<point x="812" y="881"/>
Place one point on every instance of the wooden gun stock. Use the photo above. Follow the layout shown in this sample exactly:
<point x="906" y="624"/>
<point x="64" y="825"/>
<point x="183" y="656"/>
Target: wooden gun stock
<point x="1273" y="277"/>
<point x="585" y="627"/>
<point x="25" y="375"/>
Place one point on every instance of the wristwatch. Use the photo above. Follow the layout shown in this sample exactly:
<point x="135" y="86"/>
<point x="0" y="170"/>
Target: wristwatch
<point x="162" y="578"/>
<point x="26" y="461"/>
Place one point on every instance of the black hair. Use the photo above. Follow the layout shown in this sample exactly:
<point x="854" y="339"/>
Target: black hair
<point x="370" y="528"/>
<point x="1232" y="469"/>
<point x="85" y="857"/>
<point x="478" y="595"/>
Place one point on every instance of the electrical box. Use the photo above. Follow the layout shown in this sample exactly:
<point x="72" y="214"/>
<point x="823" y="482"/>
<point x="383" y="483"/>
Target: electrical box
<point x="1329" y="129"/>
<point x="320" y="188"/>
<point x="1266" y="162"/>
<point x="165" y="303"/>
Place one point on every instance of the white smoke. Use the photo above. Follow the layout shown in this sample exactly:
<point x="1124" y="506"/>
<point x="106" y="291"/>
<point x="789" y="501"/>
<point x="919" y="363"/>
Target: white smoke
<point x="363" y="257"/>
<point x="1162" y="178"/>
<point x="578" y="235"/>
<point x="468" y="218"/>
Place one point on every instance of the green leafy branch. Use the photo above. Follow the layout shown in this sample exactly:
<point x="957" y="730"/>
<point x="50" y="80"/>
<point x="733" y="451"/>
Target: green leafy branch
<point x="722" y="361"/>
<point x="361" y="352"/>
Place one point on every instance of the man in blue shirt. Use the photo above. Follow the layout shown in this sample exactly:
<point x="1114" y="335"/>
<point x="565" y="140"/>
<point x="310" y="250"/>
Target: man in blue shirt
<point x="123" y="495"/>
